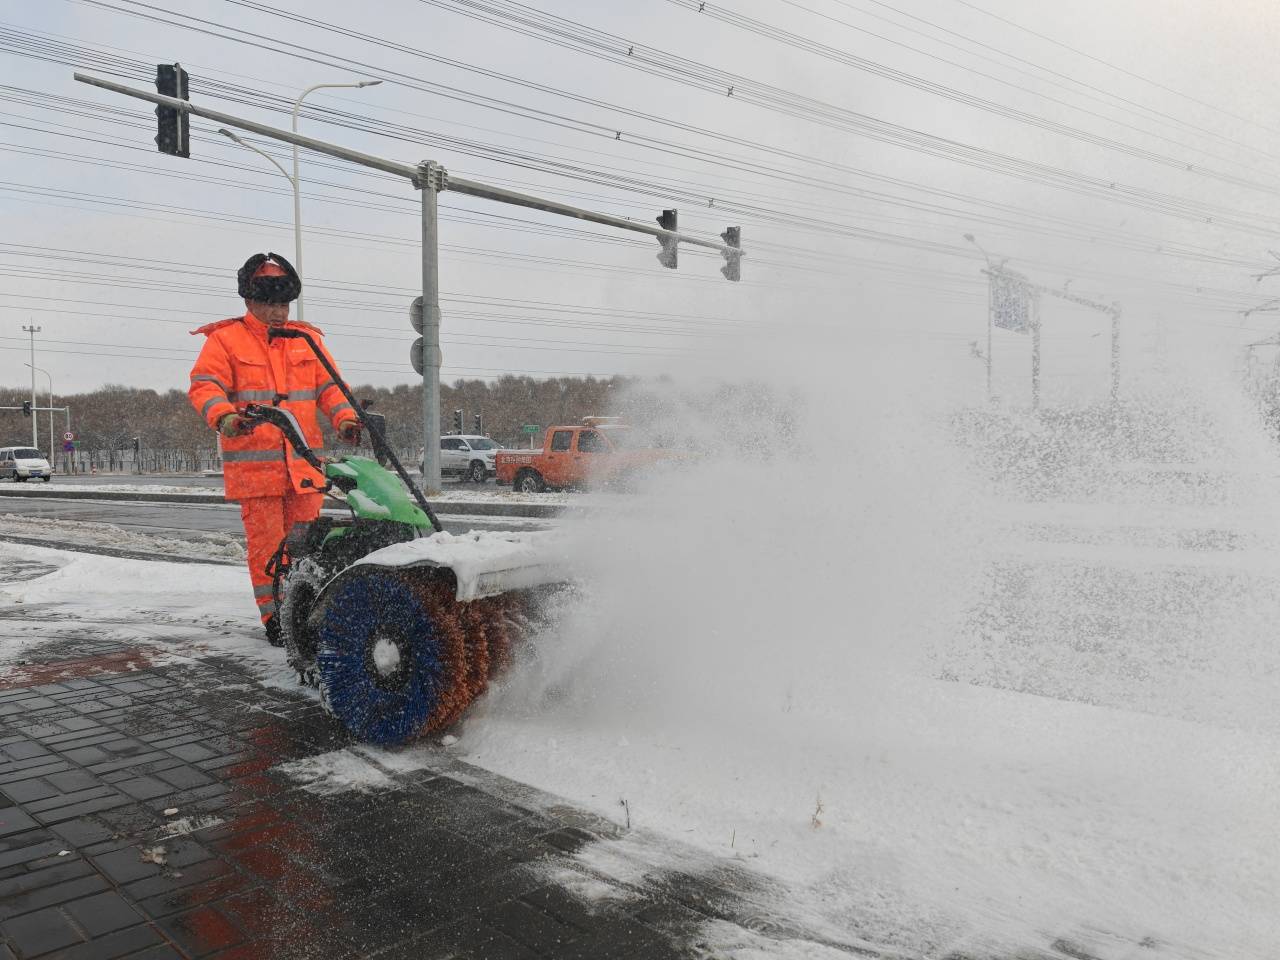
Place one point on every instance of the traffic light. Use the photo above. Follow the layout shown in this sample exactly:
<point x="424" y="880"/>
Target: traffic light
<point x="667" y="257"/>
<point x="457" y="421"/>
<point x="173" y="134"/>
<point x="26" y="408"/>
<point x="478" y="420"/>
<point x="137" y="445"/>
<point x="732" y="269"/>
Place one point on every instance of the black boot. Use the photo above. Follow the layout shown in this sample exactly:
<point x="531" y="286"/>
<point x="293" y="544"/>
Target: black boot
<point x="272" y="627"/>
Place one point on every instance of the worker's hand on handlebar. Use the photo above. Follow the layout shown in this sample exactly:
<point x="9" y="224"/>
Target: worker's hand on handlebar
<point x="349" y="432"/>
<point x="234" y="425"/>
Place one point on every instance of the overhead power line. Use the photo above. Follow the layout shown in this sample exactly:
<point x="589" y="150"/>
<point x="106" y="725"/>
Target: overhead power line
<point x="1113" y="191"/>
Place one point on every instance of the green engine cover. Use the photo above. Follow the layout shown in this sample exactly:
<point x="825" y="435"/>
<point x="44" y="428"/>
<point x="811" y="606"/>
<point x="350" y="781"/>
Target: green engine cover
<point x="378" y="493"/>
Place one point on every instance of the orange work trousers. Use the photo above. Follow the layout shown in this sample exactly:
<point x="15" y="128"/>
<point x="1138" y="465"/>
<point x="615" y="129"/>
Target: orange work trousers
<point x="266" y="521"/>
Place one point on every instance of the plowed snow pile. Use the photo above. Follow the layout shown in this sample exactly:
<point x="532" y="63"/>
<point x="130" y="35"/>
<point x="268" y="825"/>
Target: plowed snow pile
<point x="962" y="681"/>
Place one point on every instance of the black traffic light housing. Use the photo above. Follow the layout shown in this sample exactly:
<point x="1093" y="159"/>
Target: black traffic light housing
<point x="137" y="445"/>
<point x="478" y="420"/>
<point x="457" y="421"/>
<point x="732" y="269"/>
<point x="26" y="408"/>
<point x="668" y="221"/>
<point x="173" y="133"/>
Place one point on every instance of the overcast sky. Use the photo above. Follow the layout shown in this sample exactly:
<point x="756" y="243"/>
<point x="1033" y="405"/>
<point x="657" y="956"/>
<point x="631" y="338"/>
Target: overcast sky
<point x="863" y="140"/>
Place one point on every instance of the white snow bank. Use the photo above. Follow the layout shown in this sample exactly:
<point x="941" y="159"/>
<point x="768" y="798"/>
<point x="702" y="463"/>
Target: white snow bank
<point x="93" y="533"/>
<point x="212" y="493"/>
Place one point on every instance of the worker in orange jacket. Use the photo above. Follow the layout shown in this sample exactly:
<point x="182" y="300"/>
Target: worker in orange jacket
<point x="239" y="365"/>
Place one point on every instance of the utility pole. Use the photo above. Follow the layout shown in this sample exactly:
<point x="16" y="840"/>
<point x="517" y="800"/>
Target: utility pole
<point x="35" y="437"/>
<point x="991" y="307"/>
<point x="1035" y="353"/>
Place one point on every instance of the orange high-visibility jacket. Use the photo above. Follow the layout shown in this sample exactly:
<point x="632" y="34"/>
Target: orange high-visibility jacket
<point x="238" y="366"/>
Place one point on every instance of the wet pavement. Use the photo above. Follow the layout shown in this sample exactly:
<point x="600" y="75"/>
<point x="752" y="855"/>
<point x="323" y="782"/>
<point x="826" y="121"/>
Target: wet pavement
<point x="144" y="813"/>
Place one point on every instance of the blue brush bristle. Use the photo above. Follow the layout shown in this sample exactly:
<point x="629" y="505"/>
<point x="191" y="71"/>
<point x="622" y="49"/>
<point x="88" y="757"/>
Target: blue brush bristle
<point x="368" y="604"/>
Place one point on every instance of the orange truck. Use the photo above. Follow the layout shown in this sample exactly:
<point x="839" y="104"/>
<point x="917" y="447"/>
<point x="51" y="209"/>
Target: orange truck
<point x="597" y="452"/>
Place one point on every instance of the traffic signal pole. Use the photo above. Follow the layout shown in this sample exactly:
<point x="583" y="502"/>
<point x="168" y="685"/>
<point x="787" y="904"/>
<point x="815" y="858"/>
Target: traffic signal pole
<point x="430" y="181"/>
<point x="431" y="178"/>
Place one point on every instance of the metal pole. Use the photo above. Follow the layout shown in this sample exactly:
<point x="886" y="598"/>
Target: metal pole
<point x="1035" y="353"/>
<point x="991" y="323"/>
<point x="296" y="182"/>
<point x="1115" y="363"/>
<point x="459" y="185"/>
<point x="35" y="421"/>
<point x="430" y="181"/>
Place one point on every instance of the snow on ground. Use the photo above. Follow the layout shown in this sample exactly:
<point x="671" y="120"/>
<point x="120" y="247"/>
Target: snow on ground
<point x="72" y="486"/>
<point x="179" y="607"/>
<point x="938" y="728"/>
<point x="931" y="726"/>
<point x="95" y="534"/>
<point x="338" y="771"/>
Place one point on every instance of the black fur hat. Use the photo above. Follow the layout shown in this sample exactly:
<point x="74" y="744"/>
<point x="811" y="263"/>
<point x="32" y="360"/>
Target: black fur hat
<point x="268" y="289"/>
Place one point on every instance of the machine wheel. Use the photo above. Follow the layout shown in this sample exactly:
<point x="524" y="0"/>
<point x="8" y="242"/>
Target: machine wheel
<point x="378" y="655"/>
<point x="18" y="479"/>
<point x="476" y="473"/>
<point x="299" y="591"/>
<point x="528" y="481"/>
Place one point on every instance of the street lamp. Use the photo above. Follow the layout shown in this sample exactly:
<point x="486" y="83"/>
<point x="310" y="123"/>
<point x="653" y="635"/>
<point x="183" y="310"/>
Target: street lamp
<point x="262" y="153"/>
<point x="296" y="178"/>
<point x="295" y="181"/>
<point x="50" y="378"/>
<point x="991" y="306"/>
<point x="33" y="330"/>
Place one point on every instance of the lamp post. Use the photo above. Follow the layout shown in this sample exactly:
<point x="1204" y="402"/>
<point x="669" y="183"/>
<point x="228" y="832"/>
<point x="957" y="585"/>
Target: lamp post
<point x="296" y="178"/>
<point x="50" y="379"/>
<point x="990" y="307"/>
<point x="35" y="439"/>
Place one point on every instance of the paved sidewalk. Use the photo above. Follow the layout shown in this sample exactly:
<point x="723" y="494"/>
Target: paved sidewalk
<point x="143" y="814"/>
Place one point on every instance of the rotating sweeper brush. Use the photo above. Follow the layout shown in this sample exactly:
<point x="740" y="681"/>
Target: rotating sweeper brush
<point x="400" y="625"/>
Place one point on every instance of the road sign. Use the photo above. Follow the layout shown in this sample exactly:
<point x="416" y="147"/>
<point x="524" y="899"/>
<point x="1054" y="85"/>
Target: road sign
<point x="68" y="436"/>
<point x="415" y="355"/>
<point x="1011" y="301"/>
<point x="530" y="428"/>
<point x="68" y="446"/>
<point x="415" y="315"/>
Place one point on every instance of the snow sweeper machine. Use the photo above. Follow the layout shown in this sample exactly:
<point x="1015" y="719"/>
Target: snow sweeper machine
<point x="399" y="624"/>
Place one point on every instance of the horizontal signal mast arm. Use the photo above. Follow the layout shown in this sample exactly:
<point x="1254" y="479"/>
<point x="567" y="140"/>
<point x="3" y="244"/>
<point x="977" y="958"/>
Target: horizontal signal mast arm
<point x="408" y="171"/>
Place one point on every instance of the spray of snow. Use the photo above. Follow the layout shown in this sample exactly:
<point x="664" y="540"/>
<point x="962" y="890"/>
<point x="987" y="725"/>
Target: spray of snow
<point x="765" y="662"/>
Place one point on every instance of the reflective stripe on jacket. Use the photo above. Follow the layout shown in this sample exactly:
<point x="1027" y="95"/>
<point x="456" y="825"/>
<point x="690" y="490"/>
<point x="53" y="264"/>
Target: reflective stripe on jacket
<point x="237" y="366"/>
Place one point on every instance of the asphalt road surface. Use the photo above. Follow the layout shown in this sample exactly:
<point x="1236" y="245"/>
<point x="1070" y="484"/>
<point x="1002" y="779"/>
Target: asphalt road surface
<point x="180" y="519"/>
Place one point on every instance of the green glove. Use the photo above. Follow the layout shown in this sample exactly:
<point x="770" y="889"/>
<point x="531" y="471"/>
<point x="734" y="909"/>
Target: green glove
<point x="233" y="425"/>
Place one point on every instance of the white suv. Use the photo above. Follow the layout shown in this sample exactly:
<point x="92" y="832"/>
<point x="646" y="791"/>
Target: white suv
<point x="24" y="463"/>
<point x="466" y="457"/>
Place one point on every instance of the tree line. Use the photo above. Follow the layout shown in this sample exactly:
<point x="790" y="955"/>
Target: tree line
<point x="172" y="436"/>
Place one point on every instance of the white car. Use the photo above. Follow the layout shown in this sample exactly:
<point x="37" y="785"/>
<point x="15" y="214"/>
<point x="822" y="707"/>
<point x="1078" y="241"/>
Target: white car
<point x="467" y="457"/>
<point x="24" y="463"/>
